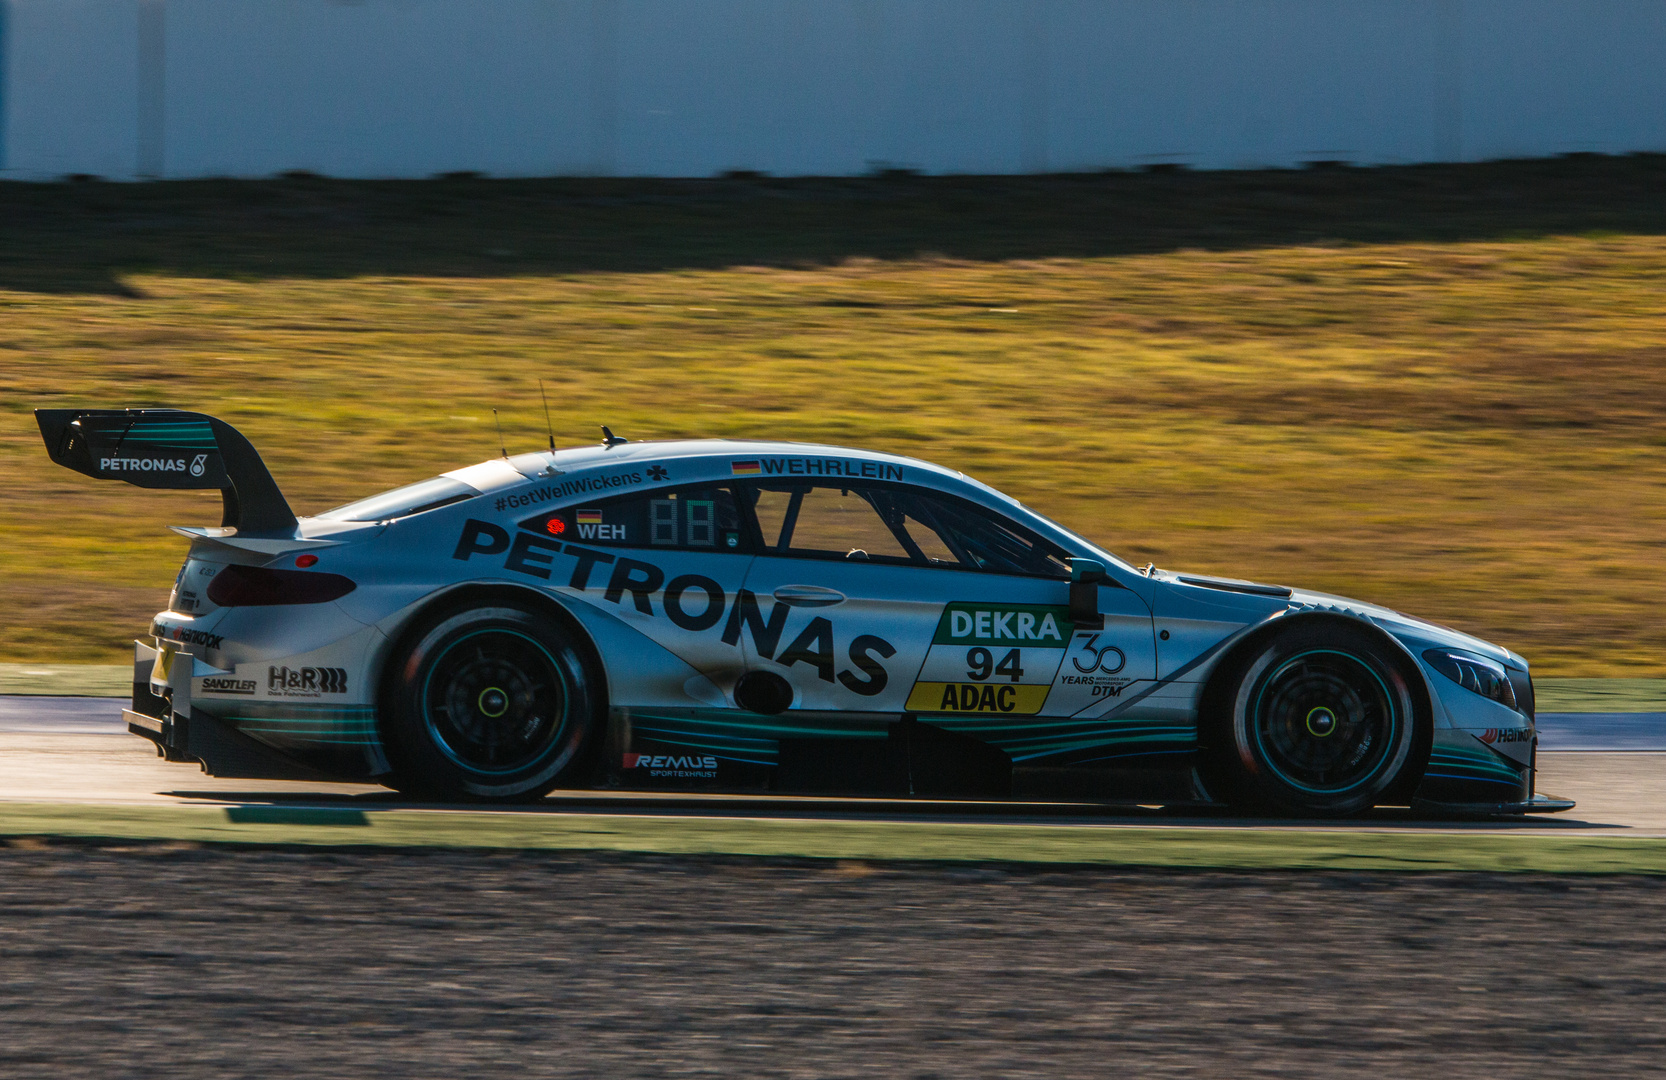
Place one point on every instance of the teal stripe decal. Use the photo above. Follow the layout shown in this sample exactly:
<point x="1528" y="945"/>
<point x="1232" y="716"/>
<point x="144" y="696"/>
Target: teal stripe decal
<point x="302" y="724"/>
<point x="750" y="737"/>
<point x="195" y="436"/>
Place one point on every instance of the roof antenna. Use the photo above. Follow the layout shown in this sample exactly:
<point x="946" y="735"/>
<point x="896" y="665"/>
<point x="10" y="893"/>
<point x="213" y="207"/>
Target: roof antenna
<point x="500" y="445"/>
<point x="547" y="425"/>
<point x="610" y="440"/>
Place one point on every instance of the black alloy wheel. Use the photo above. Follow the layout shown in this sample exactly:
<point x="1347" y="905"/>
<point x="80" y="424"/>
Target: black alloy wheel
<point x="489" y="703"/>
<point x="1319" y="723"/>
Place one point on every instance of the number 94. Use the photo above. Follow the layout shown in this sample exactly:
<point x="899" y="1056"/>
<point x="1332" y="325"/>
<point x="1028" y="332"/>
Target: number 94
<point x="980" y="664"/>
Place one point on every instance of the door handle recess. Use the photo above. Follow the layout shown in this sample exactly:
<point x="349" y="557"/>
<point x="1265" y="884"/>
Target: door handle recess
<point x="808" y="596"/>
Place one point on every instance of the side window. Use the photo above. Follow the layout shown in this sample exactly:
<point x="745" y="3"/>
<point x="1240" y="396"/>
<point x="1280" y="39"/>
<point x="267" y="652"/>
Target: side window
<point x="688" y="519"/>
<point x="828" y="522"/>
<point x="897" y="525"/>
<point x="932" y="545"/>
<point x="981" y="540"/>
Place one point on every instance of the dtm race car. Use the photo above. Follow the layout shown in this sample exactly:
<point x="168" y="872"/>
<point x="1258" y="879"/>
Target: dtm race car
<point x="771" y="616"/>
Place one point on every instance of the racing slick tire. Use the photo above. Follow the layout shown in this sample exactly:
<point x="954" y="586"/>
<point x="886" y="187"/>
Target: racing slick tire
<point x="1320" y="722"/>
<point x="492" y="703"/>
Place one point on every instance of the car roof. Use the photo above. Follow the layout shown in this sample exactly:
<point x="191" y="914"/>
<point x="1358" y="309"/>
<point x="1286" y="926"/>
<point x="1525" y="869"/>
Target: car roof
<point x="502" y="474"/>
<point x="672" y="449"/>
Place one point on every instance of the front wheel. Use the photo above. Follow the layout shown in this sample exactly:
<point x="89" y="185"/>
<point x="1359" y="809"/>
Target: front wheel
<point x="1319" y="723"/>
<point x="492" y="703"/>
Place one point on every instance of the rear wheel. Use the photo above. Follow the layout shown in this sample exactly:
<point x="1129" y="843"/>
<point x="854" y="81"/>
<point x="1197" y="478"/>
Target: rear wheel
<point x="1319" y="723"/>
<point x="492" y="703"/>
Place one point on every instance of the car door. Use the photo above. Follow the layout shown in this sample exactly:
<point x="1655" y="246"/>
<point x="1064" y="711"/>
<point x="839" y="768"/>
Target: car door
<point x="884" y="598"/>
<point x="834" y="603"/>
<point x="667" y="563"/>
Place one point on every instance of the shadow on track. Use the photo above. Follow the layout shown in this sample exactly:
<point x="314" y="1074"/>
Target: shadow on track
<point x="936" y="811"/>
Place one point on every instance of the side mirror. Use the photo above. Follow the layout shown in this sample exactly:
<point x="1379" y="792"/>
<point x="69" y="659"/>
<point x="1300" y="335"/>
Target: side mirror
<point x="1085" y="576"/>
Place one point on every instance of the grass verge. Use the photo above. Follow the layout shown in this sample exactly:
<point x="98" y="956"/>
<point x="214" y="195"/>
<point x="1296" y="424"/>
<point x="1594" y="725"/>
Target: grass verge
<point x="1437" y="388"/>
<point x="68" y="680"/>
<point x="1293" y="849"/>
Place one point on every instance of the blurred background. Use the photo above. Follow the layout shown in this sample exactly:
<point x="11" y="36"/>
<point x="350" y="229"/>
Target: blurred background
<point x="1367" y="296"/>
<point x="1364" y="297"/>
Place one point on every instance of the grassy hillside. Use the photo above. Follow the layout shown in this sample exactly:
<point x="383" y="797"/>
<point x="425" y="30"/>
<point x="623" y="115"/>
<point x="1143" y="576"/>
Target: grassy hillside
<point x="1438" y="388"/>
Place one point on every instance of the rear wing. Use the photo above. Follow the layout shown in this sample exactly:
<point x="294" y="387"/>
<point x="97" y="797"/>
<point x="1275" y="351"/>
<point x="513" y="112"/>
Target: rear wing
<point x="168" y="448"/>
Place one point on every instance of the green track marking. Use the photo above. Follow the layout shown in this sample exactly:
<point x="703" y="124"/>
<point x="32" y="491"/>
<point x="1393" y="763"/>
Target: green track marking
<point x="295" y="815"/>
<point x="1216" y="848"/>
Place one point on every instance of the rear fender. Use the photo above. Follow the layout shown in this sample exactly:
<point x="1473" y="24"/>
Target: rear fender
<point x="399" y="630"/>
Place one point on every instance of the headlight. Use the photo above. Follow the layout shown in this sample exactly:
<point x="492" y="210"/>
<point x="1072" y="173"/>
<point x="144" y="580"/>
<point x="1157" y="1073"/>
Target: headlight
<point x="1475" y="673"/>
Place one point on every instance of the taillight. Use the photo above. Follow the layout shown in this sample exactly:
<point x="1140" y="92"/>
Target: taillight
<point x="258" y="586"/>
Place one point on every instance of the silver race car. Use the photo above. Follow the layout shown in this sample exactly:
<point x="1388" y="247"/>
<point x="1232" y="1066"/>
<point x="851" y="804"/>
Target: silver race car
<point x="767" y="616"/>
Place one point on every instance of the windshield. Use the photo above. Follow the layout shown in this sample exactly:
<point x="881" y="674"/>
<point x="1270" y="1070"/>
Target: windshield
<point x="1036" y="516"/>
<point x="405" y="501"/>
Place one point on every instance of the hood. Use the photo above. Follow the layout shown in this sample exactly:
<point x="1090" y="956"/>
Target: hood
<point x="1415" y="633"/>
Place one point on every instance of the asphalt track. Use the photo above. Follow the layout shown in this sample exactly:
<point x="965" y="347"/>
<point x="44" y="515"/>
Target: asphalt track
<point x="175" y="962"/>
<point x="77" y="751"/>
<point x="134" y="953"/>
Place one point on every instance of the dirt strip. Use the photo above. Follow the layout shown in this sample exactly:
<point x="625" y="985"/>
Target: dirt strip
<point x="184" y="962"/>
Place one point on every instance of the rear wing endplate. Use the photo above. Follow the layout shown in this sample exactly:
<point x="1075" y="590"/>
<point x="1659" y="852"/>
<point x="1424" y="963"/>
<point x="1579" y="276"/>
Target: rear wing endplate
<point x="171" y="449"/>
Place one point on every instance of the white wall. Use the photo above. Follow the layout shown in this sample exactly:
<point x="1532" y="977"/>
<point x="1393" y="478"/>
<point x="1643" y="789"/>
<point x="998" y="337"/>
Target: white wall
<point x="692" y="87"/>
<point x="69" y="89"/>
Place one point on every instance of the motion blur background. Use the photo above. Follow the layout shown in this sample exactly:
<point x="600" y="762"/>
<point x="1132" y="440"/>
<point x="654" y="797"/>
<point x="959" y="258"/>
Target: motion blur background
<point x="1364" y="295"/>
<point x="1120" y="259"/>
